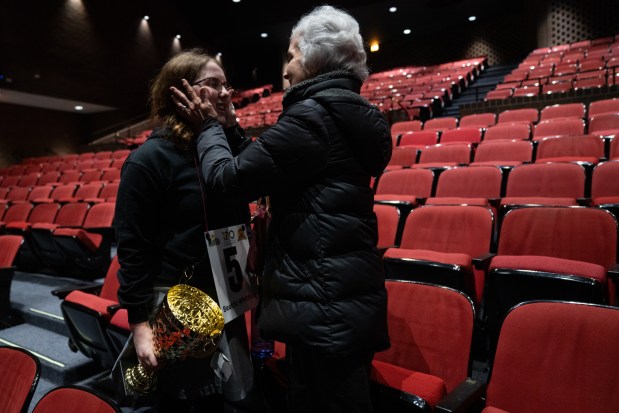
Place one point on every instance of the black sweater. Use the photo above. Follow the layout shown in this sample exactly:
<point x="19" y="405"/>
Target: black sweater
<point x="160" y="221"/>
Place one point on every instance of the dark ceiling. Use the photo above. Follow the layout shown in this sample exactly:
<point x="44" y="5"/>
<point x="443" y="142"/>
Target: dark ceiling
<point x="97" y="51"/>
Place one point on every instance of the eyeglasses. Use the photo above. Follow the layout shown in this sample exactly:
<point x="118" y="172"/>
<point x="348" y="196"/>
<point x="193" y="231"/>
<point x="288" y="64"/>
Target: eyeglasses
<point x="214" y="83"/>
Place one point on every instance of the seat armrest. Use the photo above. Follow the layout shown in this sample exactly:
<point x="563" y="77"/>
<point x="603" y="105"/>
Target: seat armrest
<point x="462" y="397"/>
<point x="62" y="292"/>
<point x="613" y="273"/>
<point x="483" y="261"/>
<point x="112" y="309"/>
<point x="583" y="201"/>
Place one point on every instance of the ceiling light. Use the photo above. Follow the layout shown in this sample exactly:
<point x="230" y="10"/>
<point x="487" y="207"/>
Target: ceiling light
<point x="374" y="46"/>
<point x="178" y="36"/>
<point x="472" y="18"/>
<point x="236" y="1"/>
<point x="219" y="54"/>
<point x="79" y="107"/>
<point x="393" y="9"/>
<point x="407" y="31"/>
<point x="264" y="35"/>
<point x="146" y="17"/>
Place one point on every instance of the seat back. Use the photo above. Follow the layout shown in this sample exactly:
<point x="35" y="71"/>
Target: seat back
<point x="520" y="131"/>
<point x="565" y="180"/>
<point x="587" y="146"/>
<point x="527" y="115"/>
<point x="456" y="153"/>
<point x="450" y="229"/>
<point x="504" y="150"/>
<point x="444" y="123"/>
<point x="20" y="376"/>
<point x="480" y="120"/>
<point x="18" y="213"/>
<point x="604" y="106"/>
<point x="401" y="156"/>
<point x="72" y="214"/>
<point x="110" y="284"/>
<point x="573" y="233"/>
<point x="430" y="328"/>
<point x="567" y="349"/>
<point x="479" y="182"/>
<point x="70" y="399"/>
<point x="605" y="122"/>
<point x="423" y="138"/>
<point x="605" y="180"/>
<point x="110" y="190"/>
<point x="556" y="127"/>
<point x="44" y="213"/>
<point x="417" y="182"/>
<point x="405" y="126"/>
<point x="468" y="135"/>
<point x="388" y="219"/>
<point x="567" y="110"/>
<point x="100" y="216"/>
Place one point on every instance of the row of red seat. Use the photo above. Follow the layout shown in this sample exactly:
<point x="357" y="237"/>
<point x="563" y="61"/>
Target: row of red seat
<point x="74" y="157"/>
<point x="86" y="176"/>
<point x="561" y="69"/>
<point x="543" y="183"/>
<point x="71" y="238"/>
<point x="602" y="110"/>
<point x="92" y="192"/>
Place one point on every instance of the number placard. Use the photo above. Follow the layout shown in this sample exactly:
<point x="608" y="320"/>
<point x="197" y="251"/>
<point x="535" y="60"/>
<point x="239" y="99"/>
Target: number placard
<point x="227" y="251"/>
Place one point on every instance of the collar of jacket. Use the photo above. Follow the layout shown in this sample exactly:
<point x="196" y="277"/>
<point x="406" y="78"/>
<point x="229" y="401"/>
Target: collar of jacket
<point x="338" y="79"/>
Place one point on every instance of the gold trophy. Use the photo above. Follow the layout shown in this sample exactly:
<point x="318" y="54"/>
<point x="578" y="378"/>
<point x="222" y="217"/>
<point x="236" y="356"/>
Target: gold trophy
<point x="188" y="323"/>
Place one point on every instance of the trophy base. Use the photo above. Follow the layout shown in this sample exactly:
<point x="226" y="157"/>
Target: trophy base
<point x="126" y="395"/>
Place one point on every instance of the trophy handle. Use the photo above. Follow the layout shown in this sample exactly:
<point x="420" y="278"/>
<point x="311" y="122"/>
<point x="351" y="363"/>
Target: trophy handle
<point x="140" y="380"/>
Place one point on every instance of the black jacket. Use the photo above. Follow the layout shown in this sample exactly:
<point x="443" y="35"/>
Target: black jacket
<point x="324" y="282"/>
<point x="160" y="221"/>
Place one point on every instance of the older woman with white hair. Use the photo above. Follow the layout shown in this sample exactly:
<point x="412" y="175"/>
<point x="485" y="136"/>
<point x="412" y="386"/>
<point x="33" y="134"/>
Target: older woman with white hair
<point x="323" y="286"/>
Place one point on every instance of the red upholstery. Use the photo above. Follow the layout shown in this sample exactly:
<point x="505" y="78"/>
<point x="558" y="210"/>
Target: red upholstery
<point x="430" y="388"/>
<point x="17" y="213"/>
<point x="9" y="245"/>
<point x="388" y="218"/>
<point x="91" y="302"/>
<point x="518" y="131"/>
<point x="481" y="120"/>
<point x="482" y="182"/>
<point x="449" y="230"/>
<point x="445" y="155"/>
<point x="89" y="240"/>
<point x="441" y="123"/>
<point x="42" y="213"/>
<point x="59" y="192"/>
<point x="603" y="106"/>
<point x="604" y="125"/>
<point x="557" y="357"/>
<point x="567" y="110"/>
<point x="467" y="135"/>
<point x="410" y="182"/>
<point x="581" y="234"/>
<point x="431" y="329"/>
<point x="564" y="180"/>
<point x="40" y="192"/>
<point x="503" y="152"/>
<point x="539" y="200"/>
<point x="490" y="409"/>
<point x="605" y="181"/>
<point x="559" y="127"/>
<point x="419" y="138"/>
<point x="587" y="148"/>
<point x="120" y="320"/>
<point x="527" y="115"/>
<point x="462" y="260"/>
<point x="74" y="400"/>
<point x="401" y="156"/>
<point x="20" y="375"/>
<point x="399" y="128"/>
<point x="70" y="176"/>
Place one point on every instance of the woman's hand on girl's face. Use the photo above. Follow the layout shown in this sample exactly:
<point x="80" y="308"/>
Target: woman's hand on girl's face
<point x="193" y="107"/>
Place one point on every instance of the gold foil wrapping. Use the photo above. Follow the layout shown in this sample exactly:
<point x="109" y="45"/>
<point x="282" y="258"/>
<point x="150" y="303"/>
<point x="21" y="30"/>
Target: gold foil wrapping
<point x="188" y="323"/>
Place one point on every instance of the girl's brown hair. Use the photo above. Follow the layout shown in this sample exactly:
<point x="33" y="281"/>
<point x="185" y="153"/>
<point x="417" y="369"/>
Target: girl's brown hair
<point x="185" y="65"/>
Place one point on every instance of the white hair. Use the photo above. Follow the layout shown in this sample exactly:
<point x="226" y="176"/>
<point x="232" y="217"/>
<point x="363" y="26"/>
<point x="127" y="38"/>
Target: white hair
<point x="329" y="40"/>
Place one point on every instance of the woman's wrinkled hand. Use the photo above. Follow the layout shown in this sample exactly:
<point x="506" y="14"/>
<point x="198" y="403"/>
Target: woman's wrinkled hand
<point x="193" y="107"/>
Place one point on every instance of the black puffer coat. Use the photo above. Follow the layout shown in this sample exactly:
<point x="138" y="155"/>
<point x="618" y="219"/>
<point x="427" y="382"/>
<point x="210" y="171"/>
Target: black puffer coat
<point x="324" y="281"/>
